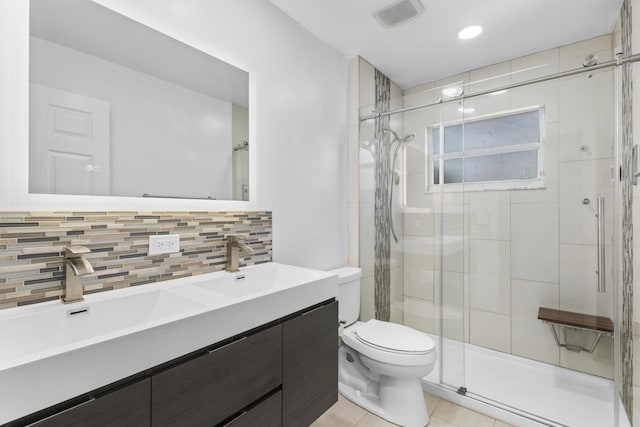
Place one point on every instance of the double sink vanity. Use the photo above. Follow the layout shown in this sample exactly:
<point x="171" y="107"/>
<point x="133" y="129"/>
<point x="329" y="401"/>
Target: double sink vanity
<point x="165" y="138"/>
<point x="254" y="347"/>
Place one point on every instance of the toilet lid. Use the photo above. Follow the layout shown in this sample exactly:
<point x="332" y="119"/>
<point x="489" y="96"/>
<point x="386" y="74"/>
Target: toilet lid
<point x="394" y="337"/>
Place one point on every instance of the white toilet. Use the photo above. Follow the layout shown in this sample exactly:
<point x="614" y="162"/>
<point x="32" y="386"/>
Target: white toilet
<point x="381" y="364"/>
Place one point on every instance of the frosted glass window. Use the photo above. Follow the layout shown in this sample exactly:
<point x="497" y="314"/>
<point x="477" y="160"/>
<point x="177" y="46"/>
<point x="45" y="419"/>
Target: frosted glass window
<point x="501" y="149"/>
<point x="452" y="171"/>
<point x="452" y="139"/>
<point x="500" y="167"/>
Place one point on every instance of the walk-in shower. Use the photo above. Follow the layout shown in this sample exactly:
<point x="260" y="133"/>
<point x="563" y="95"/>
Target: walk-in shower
<point x="495" y="230"/>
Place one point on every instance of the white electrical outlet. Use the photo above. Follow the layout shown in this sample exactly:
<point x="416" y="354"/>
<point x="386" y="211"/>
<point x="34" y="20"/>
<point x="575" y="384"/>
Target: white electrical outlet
<point x="164" y="244"/>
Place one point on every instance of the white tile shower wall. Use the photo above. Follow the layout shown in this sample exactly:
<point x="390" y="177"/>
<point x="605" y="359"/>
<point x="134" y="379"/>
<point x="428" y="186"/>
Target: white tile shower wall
<point x="299" y="111"/>
<point x="491" y="213"/>
<point x="366" y="184"/>
<point x="526" y="248"/>
<point x="491" y="330"/>
<point x="397" y="296"/>
<point x="490" y="275"/>
<point x="420" y="314"/>
<point x="534" y="242"/>
<point x="397" y="248"/>
<point x="455" y="287"/>
<point x="533" y="338"/>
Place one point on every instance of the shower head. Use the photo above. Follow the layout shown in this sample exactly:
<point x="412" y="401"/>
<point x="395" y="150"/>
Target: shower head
<point x="407" y="139"/>
<point x="396" y="138"/>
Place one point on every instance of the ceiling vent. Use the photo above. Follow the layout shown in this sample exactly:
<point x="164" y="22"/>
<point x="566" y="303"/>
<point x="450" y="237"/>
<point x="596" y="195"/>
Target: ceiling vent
<point x="398" y="12"/>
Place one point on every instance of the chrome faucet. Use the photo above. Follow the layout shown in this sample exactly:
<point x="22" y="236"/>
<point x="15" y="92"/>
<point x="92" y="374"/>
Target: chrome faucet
<point x="75" y="267"/>
<point x="234" y="245"/>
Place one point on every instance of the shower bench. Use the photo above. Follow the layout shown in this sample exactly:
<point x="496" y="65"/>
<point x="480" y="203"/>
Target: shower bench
<point x="597" y="325"/>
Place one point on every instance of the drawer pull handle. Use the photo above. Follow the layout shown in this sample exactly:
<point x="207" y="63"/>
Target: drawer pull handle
<point x="227" y="345"/>
<point x="74" y="407"/>
<point x="236" y="418"/>
<point x="311" y="311"/>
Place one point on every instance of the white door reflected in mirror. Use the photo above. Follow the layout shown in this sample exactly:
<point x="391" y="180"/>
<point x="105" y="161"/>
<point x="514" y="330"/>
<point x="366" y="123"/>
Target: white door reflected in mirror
<point x="69" y="133"/>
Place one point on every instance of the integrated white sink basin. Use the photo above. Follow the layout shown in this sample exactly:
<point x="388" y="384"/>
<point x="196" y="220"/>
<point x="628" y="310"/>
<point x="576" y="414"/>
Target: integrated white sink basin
<point x="60" y="325"/>
<point x="48" y="355"/>
<point x="253" y="282"/>
<point x="240" y="285"/>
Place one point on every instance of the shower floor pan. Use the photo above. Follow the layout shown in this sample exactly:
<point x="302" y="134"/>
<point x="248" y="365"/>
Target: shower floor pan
<point x="552" y="395"/>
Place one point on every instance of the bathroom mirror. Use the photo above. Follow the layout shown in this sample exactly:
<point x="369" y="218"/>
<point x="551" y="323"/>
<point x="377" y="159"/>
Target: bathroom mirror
<point x="119" y="109"/>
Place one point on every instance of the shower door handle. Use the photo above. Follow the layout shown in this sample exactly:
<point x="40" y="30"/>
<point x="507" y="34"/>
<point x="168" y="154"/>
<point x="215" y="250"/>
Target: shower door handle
<point x="601" y="245"/>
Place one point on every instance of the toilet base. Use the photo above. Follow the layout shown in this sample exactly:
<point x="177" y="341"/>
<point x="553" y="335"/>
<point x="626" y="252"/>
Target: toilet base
<point x="400" y="401"/>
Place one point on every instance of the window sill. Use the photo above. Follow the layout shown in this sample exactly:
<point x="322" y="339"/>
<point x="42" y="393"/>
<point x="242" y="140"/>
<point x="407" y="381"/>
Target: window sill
<point x="534" y="184"/>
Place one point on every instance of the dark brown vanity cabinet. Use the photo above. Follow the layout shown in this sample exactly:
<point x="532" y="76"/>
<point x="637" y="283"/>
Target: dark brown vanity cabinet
<point x="309" y="365"/>
<point x="281" y="374"/>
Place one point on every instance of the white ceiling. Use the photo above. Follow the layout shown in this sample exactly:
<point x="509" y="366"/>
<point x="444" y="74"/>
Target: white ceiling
<point x="427" y="48"/>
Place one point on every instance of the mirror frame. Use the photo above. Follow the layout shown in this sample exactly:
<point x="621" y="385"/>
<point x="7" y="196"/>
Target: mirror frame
<point x="14" y="139"/>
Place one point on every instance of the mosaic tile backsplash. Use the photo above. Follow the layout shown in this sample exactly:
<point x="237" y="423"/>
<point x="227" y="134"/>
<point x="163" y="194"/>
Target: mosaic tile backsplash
<point x="32" y="248"/>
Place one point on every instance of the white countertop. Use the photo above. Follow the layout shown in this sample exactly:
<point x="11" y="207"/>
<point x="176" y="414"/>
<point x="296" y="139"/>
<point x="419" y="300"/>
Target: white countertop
<point x="47" y="356"/>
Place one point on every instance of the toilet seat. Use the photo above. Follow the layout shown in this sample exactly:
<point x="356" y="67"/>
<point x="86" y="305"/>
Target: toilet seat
<point x="394" y="337"/>
<point x="385" y="354"/>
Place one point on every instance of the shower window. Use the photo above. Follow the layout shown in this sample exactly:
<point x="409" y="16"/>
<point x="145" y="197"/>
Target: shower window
<point x="493" y="152"/>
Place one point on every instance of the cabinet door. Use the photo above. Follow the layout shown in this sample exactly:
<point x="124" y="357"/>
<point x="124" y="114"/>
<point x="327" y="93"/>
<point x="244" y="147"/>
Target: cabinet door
<point x="207" y="390"/>
<point x="310" y="365"/>
<point x="126" y="407"/>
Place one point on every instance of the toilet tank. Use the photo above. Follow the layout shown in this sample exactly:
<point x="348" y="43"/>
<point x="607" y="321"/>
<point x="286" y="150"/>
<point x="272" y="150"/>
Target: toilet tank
<point x="348" y="293"/>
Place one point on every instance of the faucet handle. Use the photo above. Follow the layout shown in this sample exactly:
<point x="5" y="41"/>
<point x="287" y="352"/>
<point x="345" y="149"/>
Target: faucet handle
<point x="76" y="250"/>
<point x="236" y="238"/>
<point x="80" y="266"/>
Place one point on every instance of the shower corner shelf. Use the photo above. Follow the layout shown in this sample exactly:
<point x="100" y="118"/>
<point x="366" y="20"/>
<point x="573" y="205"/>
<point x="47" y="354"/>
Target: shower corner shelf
<point x="597" y="325"/>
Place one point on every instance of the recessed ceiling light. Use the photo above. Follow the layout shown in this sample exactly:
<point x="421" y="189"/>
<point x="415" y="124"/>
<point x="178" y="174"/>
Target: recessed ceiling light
<point x="452" y="91"/>
<point x="470" y="32"/>
<point x="498" y="92"/>
<point x="466" y="110"/>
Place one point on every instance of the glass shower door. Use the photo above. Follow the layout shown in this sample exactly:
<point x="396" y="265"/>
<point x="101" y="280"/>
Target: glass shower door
<point x="444" y="179"/>
<point x="537" y="197"/>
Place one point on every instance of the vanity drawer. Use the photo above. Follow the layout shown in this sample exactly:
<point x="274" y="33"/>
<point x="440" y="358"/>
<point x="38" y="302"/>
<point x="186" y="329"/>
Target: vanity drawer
<point x="128" y="406"/>
<point x="267" y="413"/>
<point x="209" y="389"/>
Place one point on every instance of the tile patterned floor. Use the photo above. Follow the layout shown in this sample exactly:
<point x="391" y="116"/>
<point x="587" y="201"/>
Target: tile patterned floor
<point x="442" y="412"/>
